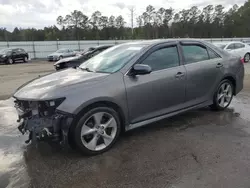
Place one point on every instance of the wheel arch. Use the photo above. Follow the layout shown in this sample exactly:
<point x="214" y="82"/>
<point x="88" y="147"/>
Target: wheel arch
<point x="92" y="105"/>
<point x="107" y="103"/>
<point x="232" y="79"/>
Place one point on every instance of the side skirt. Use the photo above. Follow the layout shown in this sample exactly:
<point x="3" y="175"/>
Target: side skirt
<point x="148" y="121"/>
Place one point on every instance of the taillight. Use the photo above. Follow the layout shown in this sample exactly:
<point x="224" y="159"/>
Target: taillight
<point x="242" y="60"/>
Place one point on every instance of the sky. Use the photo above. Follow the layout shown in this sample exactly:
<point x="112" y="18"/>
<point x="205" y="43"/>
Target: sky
<point x="41" y="13"/>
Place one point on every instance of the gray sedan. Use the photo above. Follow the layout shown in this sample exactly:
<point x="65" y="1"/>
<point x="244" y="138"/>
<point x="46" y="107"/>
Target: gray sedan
<point x="125" y="87"/>
<point x="60" y="54"/>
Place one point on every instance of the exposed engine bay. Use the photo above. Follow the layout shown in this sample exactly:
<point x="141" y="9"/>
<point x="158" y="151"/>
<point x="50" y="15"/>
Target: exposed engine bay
<point x="40" y="119"/>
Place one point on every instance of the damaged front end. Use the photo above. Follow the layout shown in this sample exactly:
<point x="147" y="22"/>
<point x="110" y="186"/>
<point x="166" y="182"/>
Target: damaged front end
<point x="43" y="121"/>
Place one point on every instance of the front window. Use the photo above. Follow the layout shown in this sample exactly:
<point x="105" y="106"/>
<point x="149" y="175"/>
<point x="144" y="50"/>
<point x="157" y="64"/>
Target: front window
<point x="163" y="58"/>
<point x="112" y="59"/>
<point x="231" y="47"/>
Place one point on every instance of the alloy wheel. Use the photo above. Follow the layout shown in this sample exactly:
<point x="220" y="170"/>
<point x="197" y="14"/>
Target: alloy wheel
<point x="224" y="95"/>
<point x="98" y="131"/>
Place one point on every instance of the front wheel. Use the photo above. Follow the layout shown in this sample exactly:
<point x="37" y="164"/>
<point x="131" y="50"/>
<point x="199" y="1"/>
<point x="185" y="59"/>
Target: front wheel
<point x="10" y="61"/>
<point x="223" y="96"/>
<point x="97" y="130"/>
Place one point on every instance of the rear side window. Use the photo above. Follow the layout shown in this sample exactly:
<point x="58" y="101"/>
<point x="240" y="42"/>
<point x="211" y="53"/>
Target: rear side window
<point x="194" y="53"/>
<point x="163" y="58"/>
<point x="239" y="45"/>
<point x="212" y="54"/>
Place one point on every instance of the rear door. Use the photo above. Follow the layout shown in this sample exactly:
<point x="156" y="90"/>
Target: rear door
<point x="204" y="71"/>
<point x="160" y="92"/>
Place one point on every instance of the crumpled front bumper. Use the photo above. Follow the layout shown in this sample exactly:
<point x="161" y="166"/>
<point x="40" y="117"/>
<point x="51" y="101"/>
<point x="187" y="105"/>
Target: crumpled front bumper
<point x="54" y="128"/>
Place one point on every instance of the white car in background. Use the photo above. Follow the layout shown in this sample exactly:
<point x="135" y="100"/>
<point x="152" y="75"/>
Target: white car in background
<point x="237" y="48"/>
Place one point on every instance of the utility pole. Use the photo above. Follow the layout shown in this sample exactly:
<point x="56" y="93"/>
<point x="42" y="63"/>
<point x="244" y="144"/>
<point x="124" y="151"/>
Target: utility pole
<point x="132" y="10"/>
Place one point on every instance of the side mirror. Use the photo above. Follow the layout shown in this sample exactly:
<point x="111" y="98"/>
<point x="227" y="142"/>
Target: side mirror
<point x="141" y="69"/>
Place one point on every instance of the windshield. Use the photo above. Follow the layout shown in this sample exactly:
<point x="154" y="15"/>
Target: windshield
<point x="61" y="50"/>
<point x="5" y="51"/>
<point x="112" y="59"/>
<point x="87" y="50"/>
<point x="221" y="46"/>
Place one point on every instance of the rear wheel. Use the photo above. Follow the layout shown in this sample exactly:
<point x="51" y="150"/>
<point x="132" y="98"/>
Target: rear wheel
<point x="25" y="59"/>
<point x="97" y="130"/>
<point x="247" y="57"/>
<point x="223" y="96"/>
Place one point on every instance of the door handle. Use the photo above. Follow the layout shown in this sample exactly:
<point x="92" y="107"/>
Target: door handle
<point x="219" y="65"/>
<point x="179" y="74"/>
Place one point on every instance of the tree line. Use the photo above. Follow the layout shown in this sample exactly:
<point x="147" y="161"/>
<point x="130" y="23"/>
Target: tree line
<point x="212" y="21"/>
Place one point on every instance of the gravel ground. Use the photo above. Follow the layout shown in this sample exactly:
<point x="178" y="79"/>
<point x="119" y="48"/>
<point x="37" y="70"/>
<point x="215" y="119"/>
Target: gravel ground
<point x="197" y="149"/>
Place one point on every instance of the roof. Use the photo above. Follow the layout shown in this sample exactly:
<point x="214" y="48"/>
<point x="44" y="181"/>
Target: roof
<point x="227" y="42"/>
<point x="103" y="46"/>
<point x="158" y="41"/>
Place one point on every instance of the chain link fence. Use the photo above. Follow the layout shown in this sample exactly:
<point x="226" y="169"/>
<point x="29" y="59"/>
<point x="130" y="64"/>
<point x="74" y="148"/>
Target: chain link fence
<point x="41" y="49"/>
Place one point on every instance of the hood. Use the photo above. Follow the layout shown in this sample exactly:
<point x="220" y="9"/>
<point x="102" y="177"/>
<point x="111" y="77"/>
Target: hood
<point x="54" y="85"/>
<point x="66" y="59"/>
<point x="55" y="54"/>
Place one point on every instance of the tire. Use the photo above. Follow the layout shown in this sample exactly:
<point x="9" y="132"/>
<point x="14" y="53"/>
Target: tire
<point x="246" y="57"/>
<point x="25" y="59"/>
<point x="10" y="61"/>
<point x="223" y="95"/>
<point x="97" y="130"/>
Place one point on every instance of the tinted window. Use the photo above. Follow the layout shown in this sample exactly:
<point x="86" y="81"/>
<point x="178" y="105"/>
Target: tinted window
<point x="21" y="50"/>
<point x="194" y="53"/>
<point x="96" y="52"/>
<point x="163" y="58"/>
<point x="212" y="54"/>
<point x="15" y="51"/>
<point x="221" y="46"/>
<point x="239" y="45"/>
<point x="230" y="47"/>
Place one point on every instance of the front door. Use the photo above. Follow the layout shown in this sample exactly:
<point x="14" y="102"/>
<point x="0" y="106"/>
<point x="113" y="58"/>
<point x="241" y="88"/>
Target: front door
<point x="160" y="92"/>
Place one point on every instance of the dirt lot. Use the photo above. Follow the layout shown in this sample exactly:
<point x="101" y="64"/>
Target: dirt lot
<point x="197" y="149"/>
<point x="12" y="76"/>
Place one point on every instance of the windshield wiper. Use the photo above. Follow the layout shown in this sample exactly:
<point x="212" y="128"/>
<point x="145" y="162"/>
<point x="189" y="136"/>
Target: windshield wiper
<point x="86" y="69"/>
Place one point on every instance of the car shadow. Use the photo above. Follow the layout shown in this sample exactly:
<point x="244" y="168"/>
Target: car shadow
<point x="178" y="123"/>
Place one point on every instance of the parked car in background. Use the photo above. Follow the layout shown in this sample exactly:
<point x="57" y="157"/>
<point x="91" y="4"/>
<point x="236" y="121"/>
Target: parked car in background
<point x="76" y="61"/>
<point x="125" y="87"/>
<point x="11" y="55"/>
<point x="237" y="48"/>
<point x="60" y="54"/>
<point x="86" y="50"/>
